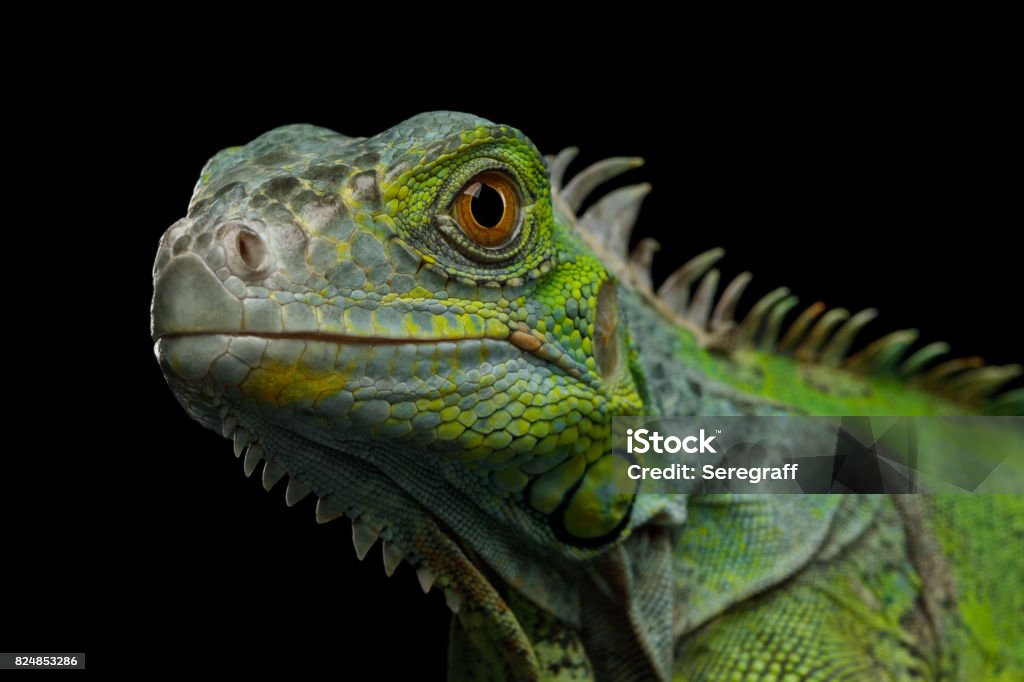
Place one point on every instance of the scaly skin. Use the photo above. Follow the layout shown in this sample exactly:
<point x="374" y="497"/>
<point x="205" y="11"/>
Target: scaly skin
<point x="321" y="305"/>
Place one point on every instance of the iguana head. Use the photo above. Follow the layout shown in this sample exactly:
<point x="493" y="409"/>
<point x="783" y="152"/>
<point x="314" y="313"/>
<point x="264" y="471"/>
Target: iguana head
<point x="406" y="325"/>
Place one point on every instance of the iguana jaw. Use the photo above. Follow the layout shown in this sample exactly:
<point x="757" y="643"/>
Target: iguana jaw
<point x="347" y="474"/>
<point x="283" y="394"/>
<point x="346" y="484"/>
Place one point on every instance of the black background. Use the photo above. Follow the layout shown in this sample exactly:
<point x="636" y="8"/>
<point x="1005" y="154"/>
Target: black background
<point x="861" y="187"/>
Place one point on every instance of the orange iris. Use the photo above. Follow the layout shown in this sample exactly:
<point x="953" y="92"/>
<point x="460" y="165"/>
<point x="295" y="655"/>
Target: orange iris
<point x="487" y="209"/>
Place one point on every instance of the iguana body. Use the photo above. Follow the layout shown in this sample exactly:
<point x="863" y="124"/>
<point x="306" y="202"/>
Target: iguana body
<point x="418" y="330"/>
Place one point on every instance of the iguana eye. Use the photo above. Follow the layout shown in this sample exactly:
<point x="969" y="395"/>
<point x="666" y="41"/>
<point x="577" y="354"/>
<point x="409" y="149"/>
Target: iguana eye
<point x="487" y="209"/>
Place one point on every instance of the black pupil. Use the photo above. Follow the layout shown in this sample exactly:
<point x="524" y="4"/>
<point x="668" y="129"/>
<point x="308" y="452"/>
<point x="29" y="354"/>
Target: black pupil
<point x="487" y="205"/>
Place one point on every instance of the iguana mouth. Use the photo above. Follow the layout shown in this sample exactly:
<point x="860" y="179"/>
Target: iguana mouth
<point x="322" y="337"/>
<point x="527" y="341"/>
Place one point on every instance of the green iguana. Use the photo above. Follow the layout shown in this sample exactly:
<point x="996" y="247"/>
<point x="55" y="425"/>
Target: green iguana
<point x="417" y="328"/>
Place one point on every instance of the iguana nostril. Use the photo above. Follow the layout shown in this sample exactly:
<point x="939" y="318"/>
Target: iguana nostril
<point x="248" y="254"/>
<point x="251" y="250"/>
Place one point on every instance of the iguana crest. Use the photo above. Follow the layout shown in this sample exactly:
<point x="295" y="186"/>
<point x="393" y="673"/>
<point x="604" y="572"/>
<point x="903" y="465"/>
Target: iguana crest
<point x="817" y="335"/>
